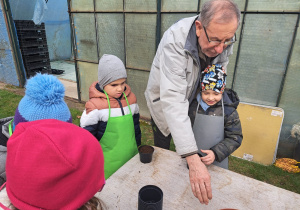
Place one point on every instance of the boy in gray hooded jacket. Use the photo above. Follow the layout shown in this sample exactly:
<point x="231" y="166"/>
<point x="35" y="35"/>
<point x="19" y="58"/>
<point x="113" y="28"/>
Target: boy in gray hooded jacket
<point x="216" y="124"/>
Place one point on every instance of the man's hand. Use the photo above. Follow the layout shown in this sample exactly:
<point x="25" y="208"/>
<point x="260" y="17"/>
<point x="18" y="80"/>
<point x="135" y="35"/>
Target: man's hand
<point x="209" y="158"/>
<point x="199" y="179"/>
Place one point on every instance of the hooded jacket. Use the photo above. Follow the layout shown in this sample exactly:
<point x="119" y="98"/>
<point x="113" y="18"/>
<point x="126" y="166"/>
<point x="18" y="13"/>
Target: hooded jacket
<point x="232" y="125"/>
<point x="4" y="136"/>
<point x="173" y="81"/>
<point x="94" y="117"/>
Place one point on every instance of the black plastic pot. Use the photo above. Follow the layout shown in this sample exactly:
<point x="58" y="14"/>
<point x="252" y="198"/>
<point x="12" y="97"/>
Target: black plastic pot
<point x="146" y="153"/>
<point x="150" y="198"/>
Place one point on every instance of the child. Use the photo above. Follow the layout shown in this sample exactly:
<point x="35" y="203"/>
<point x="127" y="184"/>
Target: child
<point x="44" y="99"/>
<point x="53" y="164"/>
<point x="217" y="127"/>
<point x="112" y="114"/>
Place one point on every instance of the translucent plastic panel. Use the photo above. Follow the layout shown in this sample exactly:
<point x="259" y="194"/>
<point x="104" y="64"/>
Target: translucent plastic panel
<point x="274" y="5"/>
<point x="109" y="5"/>
<point x="59" y="40"/>
<point x="290" y="98"/>
<point x="265" y="46"/>
<point x="290" y="102"/>
<point x="140" y="32"/>
<point x="79" y="5"/>
<point x="140" y="5"/>
<point x="19" y="6"/>
<point x="88" y="73"/>
<point x="111" y="34"/>
<point x="169" y="19"/>
<point x="85" y="33"/>
<point x="179" y="5"/>
<point x="240" y="3"/>
<point x="232" y="60"/>
<point x="138" y="82"/>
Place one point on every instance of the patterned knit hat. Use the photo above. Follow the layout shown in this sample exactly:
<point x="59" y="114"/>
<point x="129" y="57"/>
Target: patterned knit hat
<point x="214" y="78"/>
<point x="53" y="165"/>
<point x="110" y="69"/>
<point x="44" y="99"/>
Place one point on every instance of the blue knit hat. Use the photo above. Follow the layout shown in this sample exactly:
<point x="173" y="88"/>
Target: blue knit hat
<point x="44" y="99"/>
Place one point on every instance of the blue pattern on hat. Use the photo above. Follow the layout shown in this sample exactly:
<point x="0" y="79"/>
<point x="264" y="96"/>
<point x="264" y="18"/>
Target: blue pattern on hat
<point x="214" y="78"/>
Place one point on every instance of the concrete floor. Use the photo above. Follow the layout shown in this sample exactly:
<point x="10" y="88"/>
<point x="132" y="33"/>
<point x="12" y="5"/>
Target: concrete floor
<point x="68" y="78"/>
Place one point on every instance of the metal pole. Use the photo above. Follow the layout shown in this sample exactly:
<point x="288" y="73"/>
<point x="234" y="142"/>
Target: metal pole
<point x="158" y="24"/>
<point x="239" y="46"/>
<point x="14" y="43"/>
<point x="73" y="39"/>
<point x="124" y="35"/>
<point x="96" y="28"/>
<point x="288" y="61"/>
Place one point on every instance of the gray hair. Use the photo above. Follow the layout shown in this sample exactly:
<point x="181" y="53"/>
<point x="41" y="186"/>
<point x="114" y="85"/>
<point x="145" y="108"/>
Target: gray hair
<point x="227" y="9"/>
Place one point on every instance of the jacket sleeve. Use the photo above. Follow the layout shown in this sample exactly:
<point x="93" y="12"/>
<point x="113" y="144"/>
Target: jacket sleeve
<point x="91" y="123"/>
<point x="138" y="134"/>
<point x="97" y="130"/>
<point x="3" y="155"/>
<point x="232" y="137"/>
<point x="173" y="95"/>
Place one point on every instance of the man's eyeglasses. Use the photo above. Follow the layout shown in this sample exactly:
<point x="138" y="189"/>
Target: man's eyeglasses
<point x="215" y="43"/>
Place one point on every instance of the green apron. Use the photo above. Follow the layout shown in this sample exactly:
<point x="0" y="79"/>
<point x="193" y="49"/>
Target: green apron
<point x="118" y="141"/>
<point x="10" y="129"/>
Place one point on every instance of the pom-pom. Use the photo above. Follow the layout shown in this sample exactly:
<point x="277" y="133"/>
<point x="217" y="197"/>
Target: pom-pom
<point x="45" y="89"/>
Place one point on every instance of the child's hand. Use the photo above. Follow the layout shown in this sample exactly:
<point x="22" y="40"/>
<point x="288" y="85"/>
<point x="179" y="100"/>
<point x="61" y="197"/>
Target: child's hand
<point x="209" y="158"/>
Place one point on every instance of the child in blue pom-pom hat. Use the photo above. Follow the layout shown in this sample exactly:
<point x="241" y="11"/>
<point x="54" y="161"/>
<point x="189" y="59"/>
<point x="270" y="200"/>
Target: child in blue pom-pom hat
<point x="44" y="99"/>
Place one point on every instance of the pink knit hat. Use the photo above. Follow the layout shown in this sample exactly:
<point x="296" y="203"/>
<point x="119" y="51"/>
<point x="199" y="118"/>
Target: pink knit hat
<point x="53" y="165"/>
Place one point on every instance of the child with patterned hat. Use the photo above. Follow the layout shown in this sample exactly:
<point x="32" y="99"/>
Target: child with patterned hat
<point x="53" y="164"/>
<point x="216" y="124"/>
<point x="112" y="114"/>
<point x="44" y="99"/>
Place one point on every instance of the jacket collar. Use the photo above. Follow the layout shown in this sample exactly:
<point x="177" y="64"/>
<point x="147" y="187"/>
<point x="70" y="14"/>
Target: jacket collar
<point x="191" y="44"/>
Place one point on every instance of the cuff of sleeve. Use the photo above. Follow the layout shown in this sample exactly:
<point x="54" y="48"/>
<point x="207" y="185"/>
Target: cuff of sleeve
<point x="216" y="156"/>
<point x="189" y="154"/>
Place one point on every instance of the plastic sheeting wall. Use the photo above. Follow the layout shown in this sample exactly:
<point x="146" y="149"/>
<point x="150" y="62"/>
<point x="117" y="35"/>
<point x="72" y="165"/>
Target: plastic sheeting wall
<point x="7" y="66"/>
<point x="256" y="71"/>
<point x="57" y="24"/>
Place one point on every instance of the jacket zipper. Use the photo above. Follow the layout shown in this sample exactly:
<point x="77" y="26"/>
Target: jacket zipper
<point x="121" y="107"/>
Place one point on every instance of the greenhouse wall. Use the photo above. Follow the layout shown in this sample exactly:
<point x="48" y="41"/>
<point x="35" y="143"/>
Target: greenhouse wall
<point x="263" y="70"/>
<point x="10" y="59"/>
<point x="55" y="15"/>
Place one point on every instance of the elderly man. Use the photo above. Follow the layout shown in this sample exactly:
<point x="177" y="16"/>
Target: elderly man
<point x="187" y="48"/>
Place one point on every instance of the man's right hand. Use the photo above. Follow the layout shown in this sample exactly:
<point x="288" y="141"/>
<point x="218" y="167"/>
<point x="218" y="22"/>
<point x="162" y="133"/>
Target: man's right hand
<point x="199" y="179"/>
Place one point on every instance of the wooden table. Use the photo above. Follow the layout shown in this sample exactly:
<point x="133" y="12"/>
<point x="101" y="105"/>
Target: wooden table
<point x="168" y="171"/>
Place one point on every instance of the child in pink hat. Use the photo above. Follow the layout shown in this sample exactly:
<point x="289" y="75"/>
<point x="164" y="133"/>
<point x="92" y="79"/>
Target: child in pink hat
<point x="53" y="164"/>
